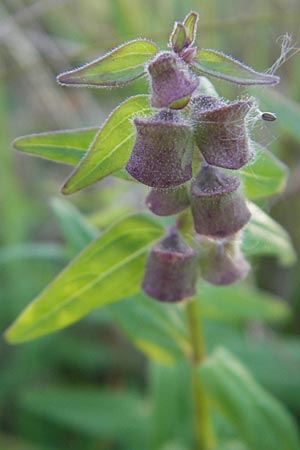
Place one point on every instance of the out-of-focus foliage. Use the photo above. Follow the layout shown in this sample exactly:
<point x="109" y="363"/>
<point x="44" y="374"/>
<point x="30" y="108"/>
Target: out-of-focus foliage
<point x="49" y="388"/>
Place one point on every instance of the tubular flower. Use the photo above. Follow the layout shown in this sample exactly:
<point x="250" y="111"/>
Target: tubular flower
<point x="172" y="83"/>
<point x="165" y="202"/>
<point x="171" y="270"/>
<point x="220" y="131"/>
<point x="162" y="153"/>
<point x="218" y="206"/>
<point x="222" y="262"/>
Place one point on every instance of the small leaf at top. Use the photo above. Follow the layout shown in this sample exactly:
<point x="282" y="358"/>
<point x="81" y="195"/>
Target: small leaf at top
<point x="109" y="269"/>
<point x="178" y="38"/>
<point x="116" y="68"/>
<point x="190" y="24"/>
<point x="219" y="65"/>
<point x="112" y="145"/>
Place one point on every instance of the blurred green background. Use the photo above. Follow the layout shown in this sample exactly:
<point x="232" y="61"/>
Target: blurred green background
<point x="87" y="387"/>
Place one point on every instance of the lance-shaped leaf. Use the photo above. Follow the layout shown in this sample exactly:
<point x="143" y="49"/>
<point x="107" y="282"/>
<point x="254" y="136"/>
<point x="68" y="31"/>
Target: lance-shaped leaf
<point x="258" y="418"/>
<point x="265" y="176"/>
<point x="116" y="68"/>
<point x="66" y="146"/>
<point x="111" y="146"/>
<point x="217" y="64"/>
<point x="109" y="269"/>
<point x="263" y="236"/>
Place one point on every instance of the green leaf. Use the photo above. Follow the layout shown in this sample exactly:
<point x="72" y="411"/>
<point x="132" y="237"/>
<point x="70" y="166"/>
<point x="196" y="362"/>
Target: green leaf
<point x="67" y="146"/>
<point x="16" y="443"/>
<point x="153" y="327"/>
<point x="190" y="24"/>
<point x="263" y="236"/>
<point x="116" y="68"/>
<point x="275" y="362"/>
<point x="265" y="176"/>
<point x="287" y="110"/>
<point x="239" y="302"/>
<point x="232" y="445"/>
<point x="78" y="232"/>
<point x="259" y="419"/>
<point x="112" y="145"/>
<point x="108" y="270"/>
<point x="32" y="250"/>
<point x="222" y="66"/>
<point x="172" y="413"/>
<point x="116" y="415"/>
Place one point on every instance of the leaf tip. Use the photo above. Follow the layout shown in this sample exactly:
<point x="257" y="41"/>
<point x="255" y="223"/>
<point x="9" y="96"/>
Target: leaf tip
<point x="64" y="78"/>
<point x="9" y="335"/>
<point x="15" y="144"/>
<point x="65" y="189"/>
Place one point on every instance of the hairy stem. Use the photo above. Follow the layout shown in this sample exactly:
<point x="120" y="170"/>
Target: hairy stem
<point x="204" y="437"/>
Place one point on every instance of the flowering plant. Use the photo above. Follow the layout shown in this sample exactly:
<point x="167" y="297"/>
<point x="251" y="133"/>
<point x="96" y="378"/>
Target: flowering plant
<point x="194" y="151"/>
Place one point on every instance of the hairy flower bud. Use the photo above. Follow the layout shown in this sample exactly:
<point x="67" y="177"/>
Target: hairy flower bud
<point x="171" y="270"/>
<point x="171" y="81"/>
<point x="218" y="206"/>
<point x="162" y="153"/>
<point x="220" y="131"/>
<point x="222" y="262"/>
<point x="165" y="202"/>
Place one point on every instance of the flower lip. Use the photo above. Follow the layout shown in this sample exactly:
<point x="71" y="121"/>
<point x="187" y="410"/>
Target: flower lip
<point x="163" y="62"/>
<point x="211" y="181"/>
<point x="222" y="112"/>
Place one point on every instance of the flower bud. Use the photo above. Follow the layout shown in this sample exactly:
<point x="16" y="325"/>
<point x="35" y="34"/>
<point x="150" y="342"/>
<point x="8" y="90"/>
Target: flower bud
<point x="165" y="202"/>
<point x="171" y="270"/>
<point x="218" y="206"/>
<point x="172" y="82"/>
<point x="222" y="262"/>
<point x="162" y="153"/>
<point x="220" y="131"/>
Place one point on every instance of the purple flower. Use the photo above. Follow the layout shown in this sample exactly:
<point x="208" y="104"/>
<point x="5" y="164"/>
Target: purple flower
<point x="218" y="206"/>
<point x="222" y="262"/>
<point x="171" y="81"/>
<point x="171" y="270"/>
<point x="162" y="153"/>
<point x="220" y="131"/>
<point x="165" y="202"/>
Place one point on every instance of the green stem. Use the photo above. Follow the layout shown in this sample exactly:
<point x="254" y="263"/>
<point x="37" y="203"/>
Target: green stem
<point x="204" y="437"/>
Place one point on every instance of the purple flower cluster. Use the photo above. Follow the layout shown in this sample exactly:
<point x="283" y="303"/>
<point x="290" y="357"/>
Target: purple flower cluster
<point x="163" y="157"/>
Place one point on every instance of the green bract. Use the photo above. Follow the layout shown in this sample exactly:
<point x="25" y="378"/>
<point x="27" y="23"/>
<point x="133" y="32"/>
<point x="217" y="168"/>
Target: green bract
<point x="120" y="66"/>
<point x="216" y="64"/>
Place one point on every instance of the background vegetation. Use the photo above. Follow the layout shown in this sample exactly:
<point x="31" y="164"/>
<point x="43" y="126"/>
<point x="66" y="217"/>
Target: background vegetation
<point x="87" y="387"/>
